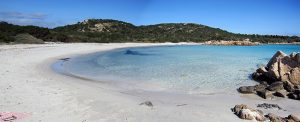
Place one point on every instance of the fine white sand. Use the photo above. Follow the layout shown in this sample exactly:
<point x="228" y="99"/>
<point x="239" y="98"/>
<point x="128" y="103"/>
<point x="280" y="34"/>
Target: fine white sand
<point x="29" y="85"/>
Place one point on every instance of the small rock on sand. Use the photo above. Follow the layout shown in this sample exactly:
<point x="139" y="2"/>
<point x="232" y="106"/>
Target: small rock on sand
<point x="269" y="106"/>
<point x="147" y="103"/>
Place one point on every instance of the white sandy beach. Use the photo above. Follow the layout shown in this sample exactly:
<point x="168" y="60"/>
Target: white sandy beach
<point x="28" y="84"/>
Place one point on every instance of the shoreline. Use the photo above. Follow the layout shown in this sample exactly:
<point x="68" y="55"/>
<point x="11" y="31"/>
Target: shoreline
<point x="50" y="96"/>
<point x="178" y="43"/>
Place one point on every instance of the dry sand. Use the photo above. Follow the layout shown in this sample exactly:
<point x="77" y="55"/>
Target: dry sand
<point x="29" y="85"/>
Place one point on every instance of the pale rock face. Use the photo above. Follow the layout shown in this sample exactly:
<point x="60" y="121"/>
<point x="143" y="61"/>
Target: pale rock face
<point x="262" y="70"/>
<point x="100" y="27"/>
<point x="245" y="112"/>
<point x="295" y="76"/>
<point x="251" y="114"/>
<point x="273" y="70"/>
<point x="284" y="68"/>
<point x="278" y="54"/>
<point x="275" y="118"/>
<point x="238" y="108"/>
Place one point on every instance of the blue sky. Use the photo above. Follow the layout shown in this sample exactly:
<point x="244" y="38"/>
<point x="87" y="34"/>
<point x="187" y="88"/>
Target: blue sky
<point x="240" y="16"/>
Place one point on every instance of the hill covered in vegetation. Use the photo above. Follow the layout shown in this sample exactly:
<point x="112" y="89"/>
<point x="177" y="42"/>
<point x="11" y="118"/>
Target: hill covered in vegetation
<point x="107" y="30"/>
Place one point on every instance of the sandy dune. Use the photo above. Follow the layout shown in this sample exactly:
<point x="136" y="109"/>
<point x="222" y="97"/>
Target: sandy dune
<point x="29" y="85"/>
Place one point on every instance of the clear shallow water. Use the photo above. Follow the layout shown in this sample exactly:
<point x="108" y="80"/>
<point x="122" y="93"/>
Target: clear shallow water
<point x="198" y="68"/>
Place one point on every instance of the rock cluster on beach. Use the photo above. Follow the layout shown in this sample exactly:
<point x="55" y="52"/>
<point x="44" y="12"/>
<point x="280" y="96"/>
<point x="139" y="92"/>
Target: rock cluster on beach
<point x="248" y="113"/>
<point x="269" y="106"/>
<point x="245" y="112"/>
<point x="245" y="42"/>
<point x="281" y="78"/>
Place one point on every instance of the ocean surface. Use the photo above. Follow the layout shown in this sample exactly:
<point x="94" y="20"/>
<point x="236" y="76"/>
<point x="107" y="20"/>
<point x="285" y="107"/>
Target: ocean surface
<point x="189" y="68"/>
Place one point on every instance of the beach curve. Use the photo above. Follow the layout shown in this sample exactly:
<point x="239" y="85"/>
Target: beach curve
<point x="28" y="84"/>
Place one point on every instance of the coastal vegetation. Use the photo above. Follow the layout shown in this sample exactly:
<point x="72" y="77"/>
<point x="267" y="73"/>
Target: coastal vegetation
<point x="107" y="30"/>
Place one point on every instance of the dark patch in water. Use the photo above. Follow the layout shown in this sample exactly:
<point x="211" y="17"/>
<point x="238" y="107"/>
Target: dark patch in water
<point x="65" y="59"/>
<point x="130" y="52"/>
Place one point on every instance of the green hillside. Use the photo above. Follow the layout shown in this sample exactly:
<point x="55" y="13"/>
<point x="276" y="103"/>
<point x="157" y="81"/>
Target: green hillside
<point x="107" y="30"/>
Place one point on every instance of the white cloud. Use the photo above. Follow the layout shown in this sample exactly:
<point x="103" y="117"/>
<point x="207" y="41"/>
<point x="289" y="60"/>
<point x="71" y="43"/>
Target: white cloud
<point x="19" y="15"/>
<point x="20" y="18"/>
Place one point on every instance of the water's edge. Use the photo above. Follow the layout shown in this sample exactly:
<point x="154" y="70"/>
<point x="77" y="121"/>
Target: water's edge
<point x="130" y="84"/>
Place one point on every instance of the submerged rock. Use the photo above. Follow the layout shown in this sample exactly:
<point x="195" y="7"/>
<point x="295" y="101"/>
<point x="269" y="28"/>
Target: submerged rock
<point x="130" y="52"/>
<point x="65" y="59"/>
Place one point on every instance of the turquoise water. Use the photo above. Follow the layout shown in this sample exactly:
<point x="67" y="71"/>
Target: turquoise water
<point x="197" y="68"/>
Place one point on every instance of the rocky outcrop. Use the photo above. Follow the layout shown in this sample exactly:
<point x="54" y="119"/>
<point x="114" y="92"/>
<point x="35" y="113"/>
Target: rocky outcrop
<point x="281" y="77"/>
<point x="275" y="118"/>
<point x="245" y="42"/>
<point x="281" y="67"/>
<point x="245" y="112"/>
